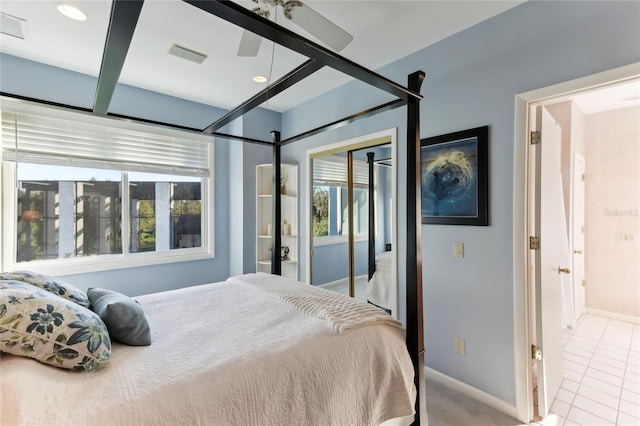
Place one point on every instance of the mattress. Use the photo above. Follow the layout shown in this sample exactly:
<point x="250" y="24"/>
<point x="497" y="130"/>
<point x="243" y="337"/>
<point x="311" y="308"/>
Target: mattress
<point x="254" y="350"/>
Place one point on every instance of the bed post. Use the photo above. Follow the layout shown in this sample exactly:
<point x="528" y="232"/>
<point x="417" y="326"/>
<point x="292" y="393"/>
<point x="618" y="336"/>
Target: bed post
<point x="276" y="214"/>
<point x="415" y="333"/>
<point x="372" y="218"/>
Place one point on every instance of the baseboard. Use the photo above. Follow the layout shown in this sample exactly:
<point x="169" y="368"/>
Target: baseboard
<point x="342" y="281"/>
<point x="470" y="391"/>
<point x="613" y="315"/>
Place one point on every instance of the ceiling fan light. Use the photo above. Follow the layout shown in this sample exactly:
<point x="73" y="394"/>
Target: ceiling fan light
<point x="259" y="78"/>
<point x="317" y="25"/>
<point x="72" y="12"/>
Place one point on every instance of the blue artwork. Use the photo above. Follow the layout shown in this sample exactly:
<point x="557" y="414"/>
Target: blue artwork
<point x="450" y="179"/>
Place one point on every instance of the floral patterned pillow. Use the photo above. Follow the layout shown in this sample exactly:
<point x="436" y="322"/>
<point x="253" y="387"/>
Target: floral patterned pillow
<point x="40" y="325"/>
<point x="54" y="285"/>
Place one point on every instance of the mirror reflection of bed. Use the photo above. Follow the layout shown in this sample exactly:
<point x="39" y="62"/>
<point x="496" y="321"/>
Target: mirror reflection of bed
<point x="329" y="211"/>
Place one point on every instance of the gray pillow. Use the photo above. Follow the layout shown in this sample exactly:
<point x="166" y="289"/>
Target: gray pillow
<point x="122" y="315"/>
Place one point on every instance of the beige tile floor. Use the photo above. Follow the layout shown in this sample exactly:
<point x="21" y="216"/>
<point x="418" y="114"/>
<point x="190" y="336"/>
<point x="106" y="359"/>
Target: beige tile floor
<point x="601" y="383"/>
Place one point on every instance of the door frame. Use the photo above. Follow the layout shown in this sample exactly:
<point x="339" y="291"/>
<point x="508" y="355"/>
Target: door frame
<point x="523" y="313"/>
<point x="577" y="281"/>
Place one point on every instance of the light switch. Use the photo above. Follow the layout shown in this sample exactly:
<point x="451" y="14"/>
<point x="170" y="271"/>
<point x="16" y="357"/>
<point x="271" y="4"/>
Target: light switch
<point x="458" y="249"/>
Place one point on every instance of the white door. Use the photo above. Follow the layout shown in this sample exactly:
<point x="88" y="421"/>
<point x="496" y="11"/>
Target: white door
<point x="579" y="298"/>
<point x="550" y="223"/>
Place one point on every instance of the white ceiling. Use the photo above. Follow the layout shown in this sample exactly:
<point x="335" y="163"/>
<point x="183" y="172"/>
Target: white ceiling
<point x="383" y="32"/>
<point x="610" y="97"/>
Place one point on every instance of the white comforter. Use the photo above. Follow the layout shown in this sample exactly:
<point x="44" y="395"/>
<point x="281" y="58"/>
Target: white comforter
<point x="230" y="354"/>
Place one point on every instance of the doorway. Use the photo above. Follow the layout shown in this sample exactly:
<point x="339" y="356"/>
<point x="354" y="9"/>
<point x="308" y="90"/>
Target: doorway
<point x="338" y="216"/>
<point x="529" y="310"/>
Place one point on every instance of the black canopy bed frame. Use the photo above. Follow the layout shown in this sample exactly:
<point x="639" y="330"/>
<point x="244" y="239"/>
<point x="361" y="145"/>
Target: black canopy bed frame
<point x="124" y="17"/>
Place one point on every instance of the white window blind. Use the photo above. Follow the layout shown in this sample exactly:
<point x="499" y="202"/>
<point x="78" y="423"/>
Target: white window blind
<point x="331" y="170"/>
<point x="103" y="143"/>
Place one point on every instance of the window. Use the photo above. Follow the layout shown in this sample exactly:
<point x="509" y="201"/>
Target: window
<point x="84" y="195"/>
<point x="330" y="197"/>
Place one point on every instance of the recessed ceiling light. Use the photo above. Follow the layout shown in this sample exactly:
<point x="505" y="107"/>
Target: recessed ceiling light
<point x="72" y="12"/>
<point x="260" y="79"/>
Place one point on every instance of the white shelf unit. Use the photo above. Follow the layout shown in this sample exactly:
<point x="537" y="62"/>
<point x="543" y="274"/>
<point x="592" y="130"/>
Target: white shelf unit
<point x="289" y="209"/>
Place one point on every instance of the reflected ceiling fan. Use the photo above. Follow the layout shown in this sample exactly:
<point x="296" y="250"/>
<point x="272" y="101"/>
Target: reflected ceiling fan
<point x="303" y="16"/>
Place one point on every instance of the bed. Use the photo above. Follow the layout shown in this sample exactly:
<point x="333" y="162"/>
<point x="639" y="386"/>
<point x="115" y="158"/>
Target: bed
<point x="382" y="281"/>
<point x="343" y="363"/>
<point x="146" y="370"/>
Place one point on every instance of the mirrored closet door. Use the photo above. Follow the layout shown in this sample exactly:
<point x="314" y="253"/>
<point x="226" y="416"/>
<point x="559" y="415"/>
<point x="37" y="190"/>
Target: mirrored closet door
<point x="352" y="197"/>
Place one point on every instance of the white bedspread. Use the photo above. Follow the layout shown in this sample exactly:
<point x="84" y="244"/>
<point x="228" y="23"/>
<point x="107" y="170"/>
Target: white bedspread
<point x="233" y="353"/>
<point x="382" y="285"/>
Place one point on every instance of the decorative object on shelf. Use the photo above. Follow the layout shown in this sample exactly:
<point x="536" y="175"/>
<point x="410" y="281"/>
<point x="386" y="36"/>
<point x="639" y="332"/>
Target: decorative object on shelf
<point x="286" y="228"/>
<point x="284" y="252"/>
<point x="454" y="175"/>
<point x="283" y="184"/>
<point x="269" y="229"/>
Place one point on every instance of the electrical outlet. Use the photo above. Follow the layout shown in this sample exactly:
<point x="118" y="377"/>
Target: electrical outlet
<point x="458" y="249"/>
<point x="458" y="345"/>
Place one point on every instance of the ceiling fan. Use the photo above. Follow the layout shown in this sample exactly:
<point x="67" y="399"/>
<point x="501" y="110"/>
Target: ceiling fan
<point x="303" y="16"/>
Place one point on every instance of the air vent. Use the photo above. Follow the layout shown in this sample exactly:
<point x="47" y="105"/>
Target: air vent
<point x="188" y="54"/>
<point x="10" y="25"/>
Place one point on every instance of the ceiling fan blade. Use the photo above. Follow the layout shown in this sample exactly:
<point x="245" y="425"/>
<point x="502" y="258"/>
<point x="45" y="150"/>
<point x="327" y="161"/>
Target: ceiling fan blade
<point x="318" y="26"/>
<point x="249" y="44"/>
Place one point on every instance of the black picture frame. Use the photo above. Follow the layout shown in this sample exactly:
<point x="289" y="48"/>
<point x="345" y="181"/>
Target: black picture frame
<point x="455" y="179"/>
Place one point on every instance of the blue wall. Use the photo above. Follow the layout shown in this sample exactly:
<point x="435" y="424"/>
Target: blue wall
<point x="331" y="262"/>
<point x="472" y="80"/>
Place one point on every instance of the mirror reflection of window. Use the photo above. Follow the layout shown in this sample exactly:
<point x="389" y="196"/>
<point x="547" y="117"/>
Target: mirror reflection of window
<point x="330" y="199"/>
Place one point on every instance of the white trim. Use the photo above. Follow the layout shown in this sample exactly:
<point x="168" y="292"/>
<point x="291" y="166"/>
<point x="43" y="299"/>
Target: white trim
<point x="208" y="209"/>
<point x="470" y="391"/>
<point x="339" y="239"/>
<point x="342" y="282"/>
<point x="7" y="224"/>
<point x="613" y="315"/>
<point x="522" y="314"/>
<point x="360" y="141"/>
<point x="107" y="262"/>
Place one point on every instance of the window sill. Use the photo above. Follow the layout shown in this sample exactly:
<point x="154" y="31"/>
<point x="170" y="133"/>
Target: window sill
<point x="108" y="262"/>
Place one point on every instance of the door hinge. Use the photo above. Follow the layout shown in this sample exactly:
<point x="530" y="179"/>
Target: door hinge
<point x="583" y="176"/>
<point x="536" y="137"/>
<point x="584" y="283"/>
<point x="534" y="243"/>
<point x="536" y="352"/>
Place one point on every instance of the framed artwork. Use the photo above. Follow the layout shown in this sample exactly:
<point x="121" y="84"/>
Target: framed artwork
<point x="454" y="174"/>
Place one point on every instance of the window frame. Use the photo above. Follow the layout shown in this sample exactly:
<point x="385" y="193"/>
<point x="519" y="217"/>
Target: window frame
<point x="344" y="238"/>
<point x="97" y="263"/>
